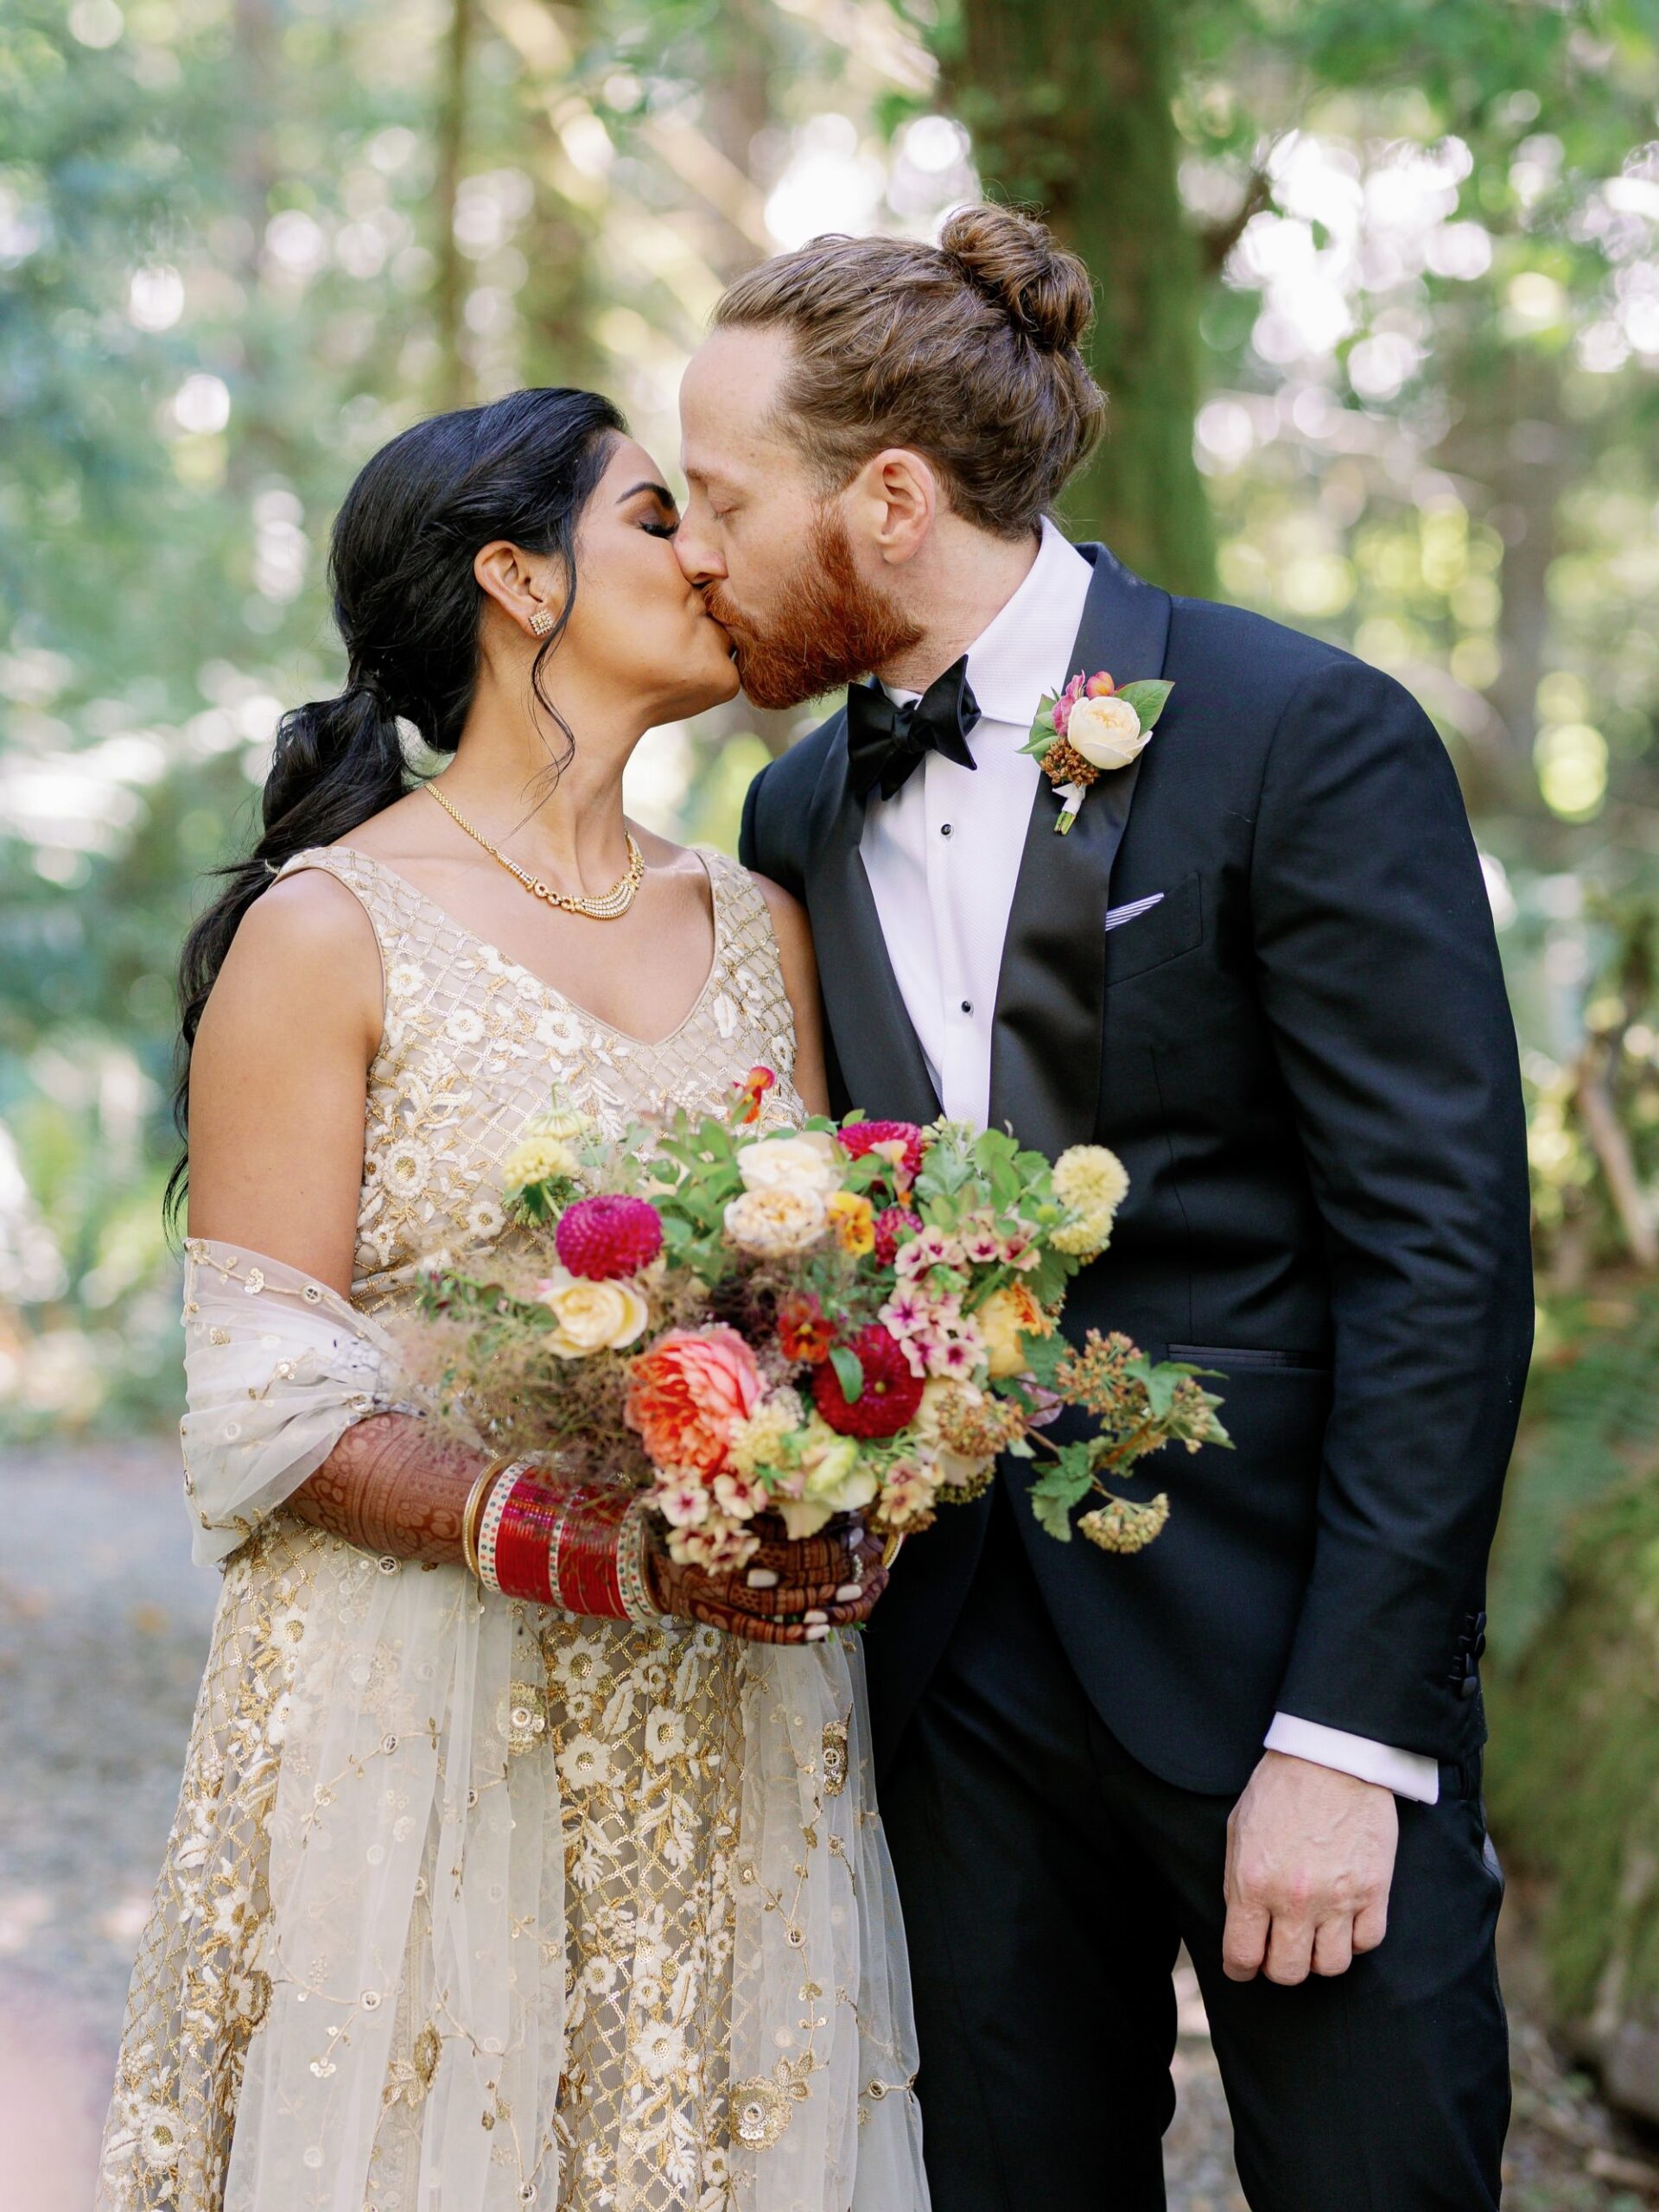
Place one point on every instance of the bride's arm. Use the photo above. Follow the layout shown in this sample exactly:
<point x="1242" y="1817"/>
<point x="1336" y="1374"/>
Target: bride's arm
<point x="278" y="1089"/>
<point x="800" y="967"/>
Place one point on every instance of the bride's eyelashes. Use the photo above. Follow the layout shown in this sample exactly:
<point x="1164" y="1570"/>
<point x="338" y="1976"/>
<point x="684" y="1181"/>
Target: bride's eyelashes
<point x="661" y="528"/>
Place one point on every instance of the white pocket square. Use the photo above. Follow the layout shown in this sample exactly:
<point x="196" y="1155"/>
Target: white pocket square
<point x="1116" y="916"/>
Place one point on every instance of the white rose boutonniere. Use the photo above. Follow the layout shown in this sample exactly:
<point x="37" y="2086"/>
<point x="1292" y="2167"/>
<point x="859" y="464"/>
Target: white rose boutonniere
<point x="1091" y="727"/>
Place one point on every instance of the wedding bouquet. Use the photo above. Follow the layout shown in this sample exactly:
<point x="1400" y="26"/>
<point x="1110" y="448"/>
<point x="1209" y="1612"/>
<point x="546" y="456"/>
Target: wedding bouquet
<point x="846" y="1318"/>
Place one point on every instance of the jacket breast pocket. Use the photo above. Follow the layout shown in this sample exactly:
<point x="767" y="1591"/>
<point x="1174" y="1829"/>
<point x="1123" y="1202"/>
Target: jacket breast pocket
<point x="1162" y="932"/>
<point x="1251" y="1359"/>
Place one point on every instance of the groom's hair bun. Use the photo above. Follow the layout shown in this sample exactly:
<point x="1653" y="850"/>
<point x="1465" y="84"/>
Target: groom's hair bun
<point x="1014" y="262"/>
<point x="967" y="351"/>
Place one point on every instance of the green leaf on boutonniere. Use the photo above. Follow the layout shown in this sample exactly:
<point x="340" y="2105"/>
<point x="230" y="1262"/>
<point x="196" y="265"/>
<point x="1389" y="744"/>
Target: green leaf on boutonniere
<point x="1043" y="732"/>
<point x="1147" y="698"/>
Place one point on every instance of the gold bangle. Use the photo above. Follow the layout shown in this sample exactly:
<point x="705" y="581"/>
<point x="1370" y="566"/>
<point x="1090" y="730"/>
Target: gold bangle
<point x="890" y="1550"/>
<point x="472" y="1511"/>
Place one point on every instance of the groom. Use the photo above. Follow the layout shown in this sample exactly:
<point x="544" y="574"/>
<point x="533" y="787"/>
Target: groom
<point x="1261" y="967"/>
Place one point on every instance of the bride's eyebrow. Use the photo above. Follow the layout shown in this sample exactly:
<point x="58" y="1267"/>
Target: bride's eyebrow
<point x="661" y="491"/>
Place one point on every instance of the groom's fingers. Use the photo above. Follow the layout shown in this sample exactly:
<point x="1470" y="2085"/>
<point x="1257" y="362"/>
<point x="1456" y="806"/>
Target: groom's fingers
<point x="1333" y="1945"/>
<point x="1244" y="1940"/>
<point x="1290" y="1950"/>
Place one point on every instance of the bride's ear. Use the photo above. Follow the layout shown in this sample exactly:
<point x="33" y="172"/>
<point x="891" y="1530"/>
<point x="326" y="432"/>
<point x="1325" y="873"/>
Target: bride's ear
<point x="528" y="588"/>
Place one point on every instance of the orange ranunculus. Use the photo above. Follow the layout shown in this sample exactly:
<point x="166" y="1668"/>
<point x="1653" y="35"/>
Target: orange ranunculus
<point x="689" y="1390"/>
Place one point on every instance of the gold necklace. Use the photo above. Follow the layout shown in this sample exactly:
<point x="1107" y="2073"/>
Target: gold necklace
<point x="606" y="906"/>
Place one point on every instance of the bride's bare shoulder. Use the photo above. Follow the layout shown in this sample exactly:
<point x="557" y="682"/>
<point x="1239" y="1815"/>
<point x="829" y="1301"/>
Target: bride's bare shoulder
<point x="303" y="961"/>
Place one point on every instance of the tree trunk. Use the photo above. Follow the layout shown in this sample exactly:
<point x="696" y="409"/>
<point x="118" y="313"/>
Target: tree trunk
<point x="1069" y="104"/>
<point x="449" y="134"/>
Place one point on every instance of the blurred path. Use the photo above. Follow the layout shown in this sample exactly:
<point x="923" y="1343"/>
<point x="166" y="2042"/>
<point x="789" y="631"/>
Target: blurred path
<point x="104" y="1626"/>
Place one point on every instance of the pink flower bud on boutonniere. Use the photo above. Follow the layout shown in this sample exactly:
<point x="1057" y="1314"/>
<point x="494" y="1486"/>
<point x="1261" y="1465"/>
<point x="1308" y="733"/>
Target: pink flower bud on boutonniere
<point x="1090" y="728"/>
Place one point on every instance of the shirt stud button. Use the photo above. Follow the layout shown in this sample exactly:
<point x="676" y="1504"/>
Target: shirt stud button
<point x="967" y="1005"/>
<point x="944" y="828"/>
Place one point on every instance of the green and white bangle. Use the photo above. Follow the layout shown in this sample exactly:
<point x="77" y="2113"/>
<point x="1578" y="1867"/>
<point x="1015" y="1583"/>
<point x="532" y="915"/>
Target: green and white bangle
<point x="489" y="1523"/>
<point x="633" y="1547"/>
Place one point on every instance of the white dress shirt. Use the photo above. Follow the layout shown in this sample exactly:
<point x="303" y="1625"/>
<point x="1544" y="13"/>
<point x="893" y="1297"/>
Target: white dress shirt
<point x="941" y="855"/>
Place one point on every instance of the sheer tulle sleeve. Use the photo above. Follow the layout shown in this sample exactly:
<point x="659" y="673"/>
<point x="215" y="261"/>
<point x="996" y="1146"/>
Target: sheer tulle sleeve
<point x="278" y="1367"/>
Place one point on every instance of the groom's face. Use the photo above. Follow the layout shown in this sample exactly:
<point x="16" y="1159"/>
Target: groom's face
<point x="772" y="551"/>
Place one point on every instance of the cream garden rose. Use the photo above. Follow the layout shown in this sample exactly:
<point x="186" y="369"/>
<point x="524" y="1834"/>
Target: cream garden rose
<point x="591" y="1316"/>
<point x="1107" y="732"/>
<point x="775" y="1221"/>
<point x="809" y="1162"/>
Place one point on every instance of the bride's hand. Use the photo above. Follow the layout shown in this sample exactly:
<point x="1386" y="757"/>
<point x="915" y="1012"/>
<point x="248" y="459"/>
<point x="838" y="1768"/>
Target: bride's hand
<point x="793" y="1591"/>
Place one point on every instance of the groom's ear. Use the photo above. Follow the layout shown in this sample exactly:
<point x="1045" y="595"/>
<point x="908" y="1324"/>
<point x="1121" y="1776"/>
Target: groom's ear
<point x="891" y="504"/>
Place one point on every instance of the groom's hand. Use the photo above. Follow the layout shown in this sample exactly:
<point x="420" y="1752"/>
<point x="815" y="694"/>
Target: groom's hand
<point x="1310" y="1857"/>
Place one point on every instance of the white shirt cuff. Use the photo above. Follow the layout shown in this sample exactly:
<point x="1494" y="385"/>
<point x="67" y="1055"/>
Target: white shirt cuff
<point x="1408" y="1774"/>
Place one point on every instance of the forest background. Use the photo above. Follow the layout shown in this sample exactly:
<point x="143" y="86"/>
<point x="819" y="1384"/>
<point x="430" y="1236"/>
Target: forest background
<point x="1379" y="318"/>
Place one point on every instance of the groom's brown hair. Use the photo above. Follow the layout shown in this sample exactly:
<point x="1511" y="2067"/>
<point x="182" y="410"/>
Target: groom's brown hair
<point x="967" y="351"/>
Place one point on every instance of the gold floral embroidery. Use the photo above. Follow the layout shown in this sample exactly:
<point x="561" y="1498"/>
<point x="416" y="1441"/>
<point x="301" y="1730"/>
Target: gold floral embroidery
<point x="835" y="1758"/>
<point x="643" y="1725"/>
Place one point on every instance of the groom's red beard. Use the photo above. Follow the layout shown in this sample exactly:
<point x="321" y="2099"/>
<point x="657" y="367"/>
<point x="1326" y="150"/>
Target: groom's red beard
<point x="826" y="628"/>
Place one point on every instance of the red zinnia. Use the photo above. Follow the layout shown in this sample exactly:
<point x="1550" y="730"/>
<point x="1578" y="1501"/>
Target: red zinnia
<point x="859" y="1137"/>
<point x="891" y="1393"/>
<point x="609" y="1235"/>
<point x="803" y="1331"/>
<point x="888" y="1223"/>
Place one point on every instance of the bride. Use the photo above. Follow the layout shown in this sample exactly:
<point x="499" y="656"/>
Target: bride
<point x="472" y="1902"/>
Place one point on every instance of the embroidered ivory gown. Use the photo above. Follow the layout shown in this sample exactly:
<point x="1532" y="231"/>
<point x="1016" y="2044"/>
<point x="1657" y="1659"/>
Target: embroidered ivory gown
<point x="470" y="1905"/>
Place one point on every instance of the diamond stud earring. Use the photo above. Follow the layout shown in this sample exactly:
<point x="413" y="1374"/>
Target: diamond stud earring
<point x="540" y="623"/>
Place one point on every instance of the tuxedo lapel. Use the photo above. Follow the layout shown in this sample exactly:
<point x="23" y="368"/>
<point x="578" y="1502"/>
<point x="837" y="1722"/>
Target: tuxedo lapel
<point x="1046" y="1039"/>
<point x="881" y="1060"/>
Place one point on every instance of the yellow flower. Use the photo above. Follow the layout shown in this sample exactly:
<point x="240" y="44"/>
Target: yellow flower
<point x="1091" y="1179"/>
<point x="853" y="1219"/>
<point x="1007" y="1315"/>
<point x="1086" y="1237"/>
<point x="1092" y="1182"/>
<point x="757" y="1442"/>
<point x="592" y="1316"/>
<point x="538" y="1160"/>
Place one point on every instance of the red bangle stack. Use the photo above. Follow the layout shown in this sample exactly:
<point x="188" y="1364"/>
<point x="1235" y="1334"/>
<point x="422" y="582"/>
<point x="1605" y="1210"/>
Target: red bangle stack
<point x="586" y="1561"/>
<point x="555" y="1545"/>
<point x="525" y="1539"/>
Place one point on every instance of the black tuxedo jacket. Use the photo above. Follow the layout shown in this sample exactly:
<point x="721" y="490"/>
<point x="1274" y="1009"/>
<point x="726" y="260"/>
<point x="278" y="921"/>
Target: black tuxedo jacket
<point x="1304" y="1056"/>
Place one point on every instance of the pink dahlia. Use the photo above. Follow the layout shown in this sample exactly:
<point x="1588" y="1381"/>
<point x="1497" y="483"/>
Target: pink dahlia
<point x="609" y="1235"/>
<point x="890" y="1222"/>
<point x="899" y="1141"/>
<point x="891" y="1393"/>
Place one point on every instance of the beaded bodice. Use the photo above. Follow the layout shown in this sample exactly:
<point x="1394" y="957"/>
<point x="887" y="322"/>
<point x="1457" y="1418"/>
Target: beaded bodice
<point x="473" y="1043"/>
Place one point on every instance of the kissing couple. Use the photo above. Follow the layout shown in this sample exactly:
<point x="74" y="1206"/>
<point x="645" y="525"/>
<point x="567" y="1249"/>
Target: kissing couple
<point x="475" y="1904"/>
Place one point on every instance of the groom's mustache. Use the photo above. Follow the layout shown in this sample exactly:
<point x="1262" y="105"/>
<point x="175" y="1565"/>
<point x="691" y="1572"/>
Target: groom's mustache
<point x="825" y="628"/>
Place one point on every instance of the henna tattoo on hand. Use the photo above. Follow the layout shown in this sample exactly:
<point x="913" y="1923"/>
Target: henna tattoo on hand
<point x="391" y="1485"/>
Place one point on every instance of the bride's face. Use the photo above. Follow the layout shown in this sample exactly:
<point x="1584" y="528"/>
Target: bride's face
<point x="637" y="623"/>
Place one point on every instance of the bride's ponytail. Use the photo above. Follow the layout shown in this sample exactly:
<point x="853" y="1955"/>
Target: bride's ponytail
<point x="407" y="605"/>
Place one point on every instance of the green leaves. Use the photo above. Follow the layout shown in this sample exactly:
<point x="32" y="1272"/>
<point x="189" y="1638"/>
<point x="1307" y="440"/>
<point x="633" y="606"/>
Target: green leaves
<point x="1148" y="697"/>
<point x="1063" y="1485"/>
<point x="848" y="1372"/>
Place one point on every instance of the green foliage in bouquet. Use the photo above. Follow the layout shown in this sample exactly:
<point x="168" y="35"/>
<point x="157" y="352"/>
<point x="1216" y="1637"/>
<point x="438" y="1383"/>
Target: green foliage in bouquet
<point x="839" y="1317"/>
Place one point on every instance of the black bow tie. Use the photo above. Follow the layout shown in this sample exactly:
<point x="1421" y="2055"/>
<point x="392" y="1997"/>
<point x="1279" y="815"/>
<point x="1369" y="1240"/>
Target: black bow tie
<point x="884" y="743"/>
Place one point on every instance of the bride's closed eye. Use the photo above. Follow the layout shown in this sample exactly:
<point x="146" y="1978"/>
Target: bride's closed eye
<point x="661" y="528"/>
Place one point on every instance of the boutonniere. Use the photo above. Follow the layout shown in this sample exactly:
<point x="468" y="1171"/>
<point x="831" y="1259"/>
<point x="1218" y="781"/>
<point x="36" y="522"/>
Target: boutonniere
<point x="1091" y="728"/>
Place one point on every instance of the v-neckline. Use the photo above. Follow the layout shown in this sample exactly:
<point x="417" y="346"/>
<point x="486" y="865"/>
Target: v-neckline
<point x="505" y="960"/>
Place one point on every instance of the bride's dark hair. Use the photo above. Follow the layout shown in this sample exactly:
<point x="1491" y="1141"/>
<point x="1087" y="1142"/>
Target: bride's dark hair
<point x="407" y="606"/>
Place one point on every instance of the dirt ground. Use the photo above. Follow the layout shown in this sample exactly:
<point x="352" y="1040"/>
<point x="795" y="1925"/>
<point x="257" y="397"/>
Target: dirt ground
<point x="100" y="1647"/>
